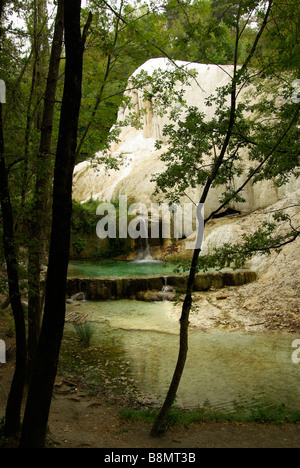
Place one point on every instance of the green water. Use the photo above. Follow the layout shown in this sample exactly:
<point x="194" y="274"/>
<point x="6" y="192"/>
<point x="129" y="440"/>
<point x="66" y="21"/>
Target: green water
<point x="112" y="268"/>
<point x="222" y="366"/>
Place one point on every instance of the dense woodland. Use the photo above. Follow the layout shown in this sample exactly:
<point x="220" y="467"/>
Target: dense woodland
<point x="66" y="68"/>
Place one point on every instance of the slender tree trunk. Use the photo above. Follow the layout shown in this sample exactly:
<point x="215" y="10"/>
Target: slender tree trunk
<point x="38" y="218"/>
<point x="45" y="368"/>
<point x="34" y="240"/>
<point x="13" y="408"/>
<point x="160" y="422"/>
<point x="29" y="118"/>
<point x="103" y="85"/>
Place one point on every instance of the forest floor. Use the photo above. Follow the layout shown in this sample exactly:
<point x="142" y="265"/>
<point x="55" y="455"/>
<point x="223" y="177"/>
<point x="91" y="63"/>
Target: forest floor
<point x="80" y="418"/>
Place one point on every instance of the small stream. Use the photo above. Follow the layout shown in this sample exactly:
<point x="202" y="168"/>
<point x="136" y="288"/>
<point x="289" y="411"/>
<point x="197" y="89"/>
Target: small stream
<point x="223" y="367"/>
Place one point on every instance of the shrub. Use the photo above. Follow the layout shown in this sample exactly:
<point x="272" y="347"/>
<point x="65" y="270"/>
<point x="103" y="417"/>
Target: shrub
<point x="84" y="331"/>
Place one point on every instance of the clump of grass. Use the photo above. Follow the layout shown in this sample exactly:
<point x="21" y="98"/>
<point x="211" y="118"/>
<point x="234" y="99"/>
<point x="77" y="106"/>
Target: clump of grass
<point x="84" y="331"/>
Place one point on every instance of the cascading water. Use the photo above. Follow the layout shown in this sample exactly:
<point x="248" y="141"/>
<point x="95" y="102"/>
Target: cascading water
<point x="144" y="254"/>
<point x="166" y="289"/>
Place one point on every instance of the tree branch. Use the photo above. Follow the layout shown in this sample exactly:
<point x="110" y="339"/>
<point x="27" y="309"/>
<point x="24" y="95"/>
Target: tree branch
<point x="86" y="28"/>
<point x="258" y="168"/>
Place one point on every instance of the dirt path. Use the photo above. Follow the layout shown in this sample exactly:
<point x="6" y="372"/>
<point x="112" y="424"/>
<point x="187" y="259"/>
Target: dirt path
<point x="79" y="421"/>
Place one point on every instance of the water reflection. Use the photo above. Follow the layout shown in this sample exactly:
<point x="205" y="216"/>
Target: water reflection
<point x="222" y="366"/>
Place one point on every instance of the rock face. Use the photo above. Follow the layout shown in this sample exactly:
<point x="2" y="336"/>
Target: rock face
<point x="102" y="289"/>
<point x="140" y="159"/>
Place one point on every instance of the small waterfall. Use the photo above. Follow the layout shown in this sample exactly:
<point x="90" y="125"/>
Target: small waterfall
<point x="80" y="296"/>
<point x="77" y="296"/>
<point x="144" y="254"/>
<point x="166" y="289"/>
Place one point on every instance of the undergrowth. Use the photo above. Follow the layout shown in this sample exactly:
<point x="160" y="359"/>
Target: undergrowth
<point x="276" y="414"/>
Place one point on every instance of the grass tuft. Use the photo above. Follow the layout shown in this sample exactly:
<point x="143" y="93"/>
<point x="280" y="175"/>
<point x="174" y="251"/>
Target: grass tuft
<point x="259" y="413"/>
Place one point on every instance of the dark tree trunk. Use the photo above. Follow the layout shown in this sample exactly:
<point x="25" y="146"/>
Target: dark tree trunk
<point x="160" y="422"/>
<point x="45" y="368"/>
<point x="38" y="218"/>
<point x="13" y="408"/>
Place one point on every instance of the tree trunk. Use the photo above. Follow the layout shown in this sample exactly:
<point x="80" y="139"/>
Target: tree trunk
<point x="13" y="408"/>
<point x="38" y="219"/>
<point x="44" y="372"/>
<point x="99" y="97"/>
<point x="159" y="424"/>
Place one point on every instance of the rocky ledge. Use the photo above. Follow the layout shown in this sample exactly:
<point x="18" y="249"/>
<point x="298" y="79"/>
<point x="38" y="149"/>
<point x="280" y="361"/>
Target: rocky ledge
<point x="102" y="289"/>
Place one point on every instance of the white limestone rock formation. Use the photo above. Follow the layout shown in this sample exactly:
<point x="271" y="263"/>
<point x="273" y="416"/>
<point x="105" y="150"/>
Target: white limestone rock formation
<point x="140" y="159"/>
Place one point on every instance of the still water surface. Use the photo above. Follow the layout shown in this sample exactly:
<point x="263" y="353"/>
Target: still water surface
<point x="222" y="366"/>
<point x="113" y="268"/>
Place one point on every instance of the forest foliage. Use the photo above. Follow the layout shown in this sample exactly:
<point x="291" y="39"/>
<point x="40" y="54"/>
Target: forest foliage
<point x="200" y="31"/>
